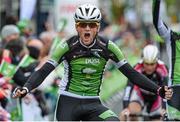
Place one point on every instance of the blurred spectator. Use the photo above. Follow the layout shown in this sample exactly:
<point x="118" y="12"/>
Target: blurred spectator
<point x="8" y="33"/>
<point x="46" y="38"/>
<point x="17" y="49"/>
<point x="34" y="46"/>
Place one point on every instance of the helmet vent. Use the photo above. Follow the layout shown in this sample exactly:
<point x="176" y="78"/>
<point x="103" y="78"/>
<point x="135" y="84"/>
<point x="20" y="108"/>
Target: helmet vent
<point x="93" y="11"/>
<point x="98" y="16"/>
<point x="81" y="11"/>
<point x="87" y="10"/>
<point x="81" y="18"/>
<point x="76" y="15"/>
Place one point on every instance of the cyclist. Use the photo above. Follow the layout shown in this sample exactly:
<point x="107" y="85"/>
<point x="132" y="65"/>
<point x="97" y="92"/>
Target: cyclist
<point x="137" y="99"/>
<point x="172" y="40"/>
<point x="85" y="57"/>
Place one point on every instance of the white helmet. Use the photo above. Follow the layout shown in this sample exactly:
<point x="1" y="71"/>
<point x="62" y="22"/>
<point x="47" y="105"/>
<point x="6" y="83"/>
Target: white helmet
<point x="87" y="12"/>
<point x="150" y="54"/>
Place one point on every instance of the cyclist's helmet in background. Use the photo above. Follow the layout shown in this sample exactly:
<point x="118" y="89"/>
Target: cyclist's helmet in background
<point x="87" y="12"/>
<point x="150" y="54"/>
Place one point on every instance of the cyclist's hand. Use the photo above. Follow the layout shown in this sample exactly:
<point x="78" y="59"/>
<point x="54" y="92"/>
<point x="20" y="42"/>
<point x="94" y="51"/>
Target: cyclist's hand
<point x="124" y="114"/>
<point x="20" y="92"/>
<point x="163" y="112"/>
<point x="165" y="92"/>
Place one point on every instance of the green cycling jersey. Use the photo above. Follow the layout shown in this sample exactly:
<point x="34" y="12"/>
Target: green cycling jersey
<point x="84" y="66"/>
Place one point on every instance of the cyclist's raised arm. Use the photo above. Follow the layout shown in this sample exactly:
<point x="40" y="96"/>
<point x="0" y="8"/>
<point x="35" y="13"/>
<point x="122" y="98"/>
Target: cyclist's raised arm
<point x="160" y="26"/>
<point x="38" y="77"/>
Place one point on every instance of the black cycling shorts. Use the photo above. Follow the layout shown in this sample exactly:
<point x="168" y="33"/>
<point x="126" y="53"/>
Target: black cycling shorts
<point x="76" y="109"/>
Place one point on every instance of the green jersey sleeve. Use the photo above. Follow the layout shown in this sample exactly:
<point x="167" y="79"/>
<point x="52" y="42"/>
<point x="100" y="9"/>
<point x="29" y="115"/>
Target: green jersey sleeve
<point x="116" y="54"/>
<point x="59" y="51"/>
<point x="113" y="48"/>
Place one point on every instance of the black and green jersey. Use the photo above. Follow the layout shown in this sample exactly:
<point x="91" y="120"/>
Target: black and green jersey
<point x="172" y="40"/>
<point x="85" y="65"/>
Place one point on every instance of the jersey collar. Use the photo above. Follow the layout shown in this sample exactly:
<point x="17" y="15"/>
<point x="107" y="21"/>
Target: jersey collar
<point x="89" y="46"/>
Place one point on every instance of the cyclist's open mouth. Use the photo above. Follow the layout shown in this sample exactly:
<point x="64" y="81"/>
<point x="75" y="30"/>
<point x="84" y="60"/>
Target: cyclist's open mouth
<point x="87" y="35"/>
